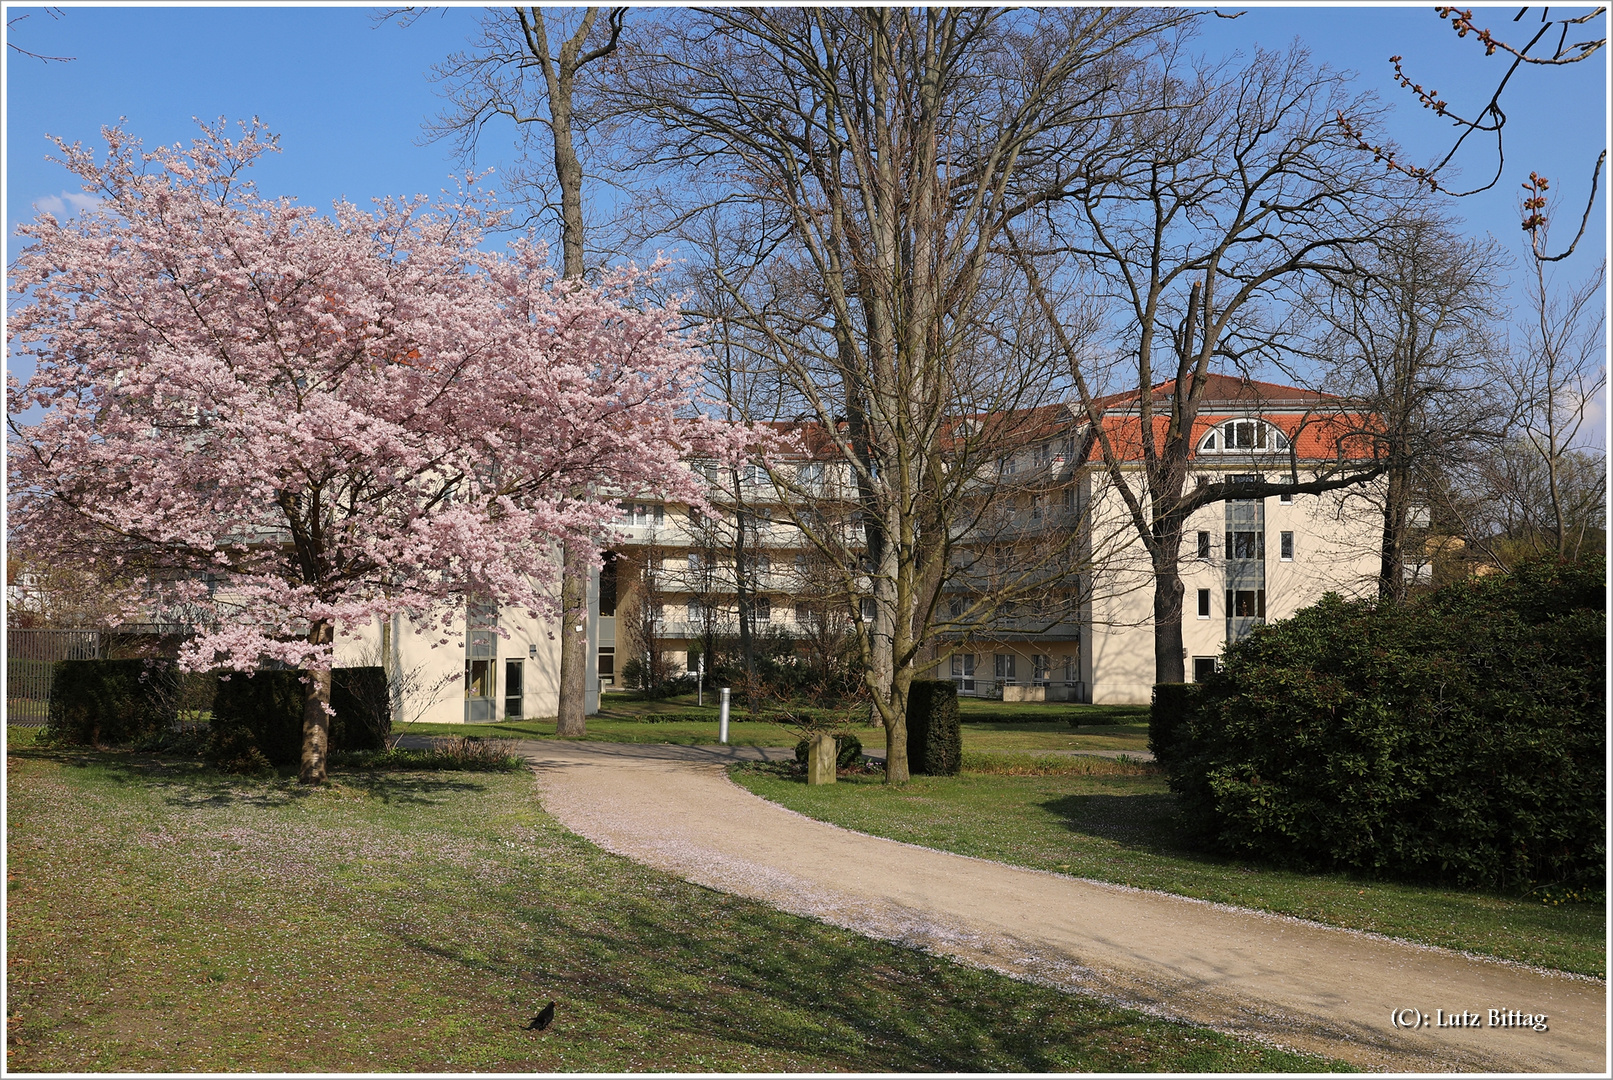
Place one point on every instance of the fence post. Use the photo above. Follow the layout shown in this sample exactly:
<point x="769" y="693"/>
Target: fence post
<point x="722" y="718"/>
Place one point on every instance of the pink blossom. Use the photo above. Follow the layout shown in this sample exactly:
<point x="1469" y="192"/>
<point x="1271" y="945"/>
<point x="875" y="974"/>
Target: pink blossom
<point x="338" y="416"/>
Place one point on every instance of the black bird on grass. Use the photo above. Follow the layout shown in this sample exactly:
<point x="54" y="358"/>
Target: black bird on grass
<point x="542" y="1020"/>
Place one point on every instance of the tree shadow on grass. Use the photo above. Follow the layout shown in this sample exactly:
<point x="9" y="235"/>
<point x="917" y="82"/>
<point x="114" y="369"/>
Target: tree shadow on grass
<point x="791" y="987"/>
<point x="1148" y="821"/>
<point x="191" y="782"/>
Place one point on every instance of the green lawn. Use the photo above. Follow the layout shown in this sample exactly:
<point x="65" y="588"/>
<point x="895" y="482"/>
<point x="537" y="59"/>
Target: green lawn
<point x="988" y="725"/>
<point x="1113" y="821"/>
<point x="166" y="918"/>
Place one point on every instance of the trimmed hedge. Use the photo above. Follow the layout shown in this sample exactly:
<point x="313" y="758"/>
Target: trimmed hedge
<point x="848" y="751"/>
<point x="257" y="719"/>
<point x="1457" y="738"/>
<point x="1169" y="711"/>
<point x="934" y="739"/>
<point x="112" y="702"/>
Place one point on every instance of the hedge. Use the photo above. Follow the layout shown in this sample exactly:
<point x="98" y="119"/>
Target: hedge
<point x="1167" y="717"/>
<point x="848" y="751"/>
<point x="934" y="739"/>
<point x="1457" y="738"/>
<point x="257" y="719"/>
<point x="112" y="702"/>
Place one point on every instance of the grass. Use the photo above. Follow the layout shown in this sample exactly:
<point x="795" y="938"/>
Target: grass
<point x="166" y="918"/>
<point x="1115" y="821"/>
<point x="988" y="725"/>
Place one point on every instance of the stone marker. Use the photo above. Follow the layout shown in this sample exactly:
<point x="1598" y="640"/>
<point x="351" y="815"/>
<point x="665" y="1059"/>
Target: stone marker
<point x="821" y="759"/>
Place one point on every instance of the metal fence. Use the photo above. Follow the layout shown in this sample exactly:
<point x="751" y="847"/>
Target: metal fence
<point x="31" y="657"/>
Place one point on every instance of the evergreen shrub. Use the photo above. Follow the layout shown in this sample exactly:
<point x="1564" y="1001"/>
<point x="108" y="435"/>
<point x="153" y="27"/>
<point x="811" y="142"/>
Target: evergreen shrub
<point x="112" y="702"/>
<point x="934" y="739"/>
<point x="257" y="719"/>
<point x="848" y="751"/>
<point x="1172" y="703"/>
<point x="1457" y="738"/>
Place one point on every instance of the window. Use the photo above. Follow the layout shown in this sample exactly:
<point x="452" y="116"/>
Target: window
<point x="1041" y="669"/>
<point x="1204" y="544"/>
<point x="1246" y="603"/>
<point x="761" y="609"/>
<point x="694" y="560"/>
<point x="1286" y="498"/>
<point x="1243" y="435"/>
<point x="643" y="513"/>
<point x="753" y="474"/>
<point x="1036" y="508"/>
<point x="1243" y="478"/>
<point x="1246" y="545"/>
<point x="1204" y="603"/>
<point x="1203" y="667"/>
<point x="1042" y="454"/>
<point x="1069" y="500"/>
<point x="1004" y="669"/>
<point x="1287" y="541"/>
<point x="963" y="670"/>
<point x="1006" y="465"/>
<point x="697" y="612"/>
<point x="809" y="475"/>
<point x="955" y="607"/>
<point x="868" y="612"/>
<point x="1072" y="670"/>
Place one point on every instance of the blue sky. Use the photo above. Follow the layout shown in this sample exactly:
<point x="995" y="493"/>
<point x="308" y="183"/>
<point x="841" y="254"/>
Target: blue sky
<point x="348" y="96"/>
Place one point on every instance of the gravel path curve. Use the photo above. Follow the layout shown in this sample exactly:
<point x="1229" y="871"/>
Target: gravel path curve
<point x="1293" y="983"/>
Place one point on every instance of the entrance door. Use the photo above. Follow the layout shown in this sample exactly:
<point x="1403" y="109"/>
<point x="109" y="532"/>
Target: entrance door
<point x="512" y="689"/>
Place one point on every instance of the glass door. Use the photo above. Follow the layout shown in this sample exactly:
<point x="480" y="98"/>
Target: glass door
<point x="512" y="689"/>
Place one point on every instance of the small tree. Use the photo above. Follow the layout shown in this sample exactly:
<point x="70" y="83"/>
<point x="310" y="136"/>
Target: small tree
<point x="297" y="423"/>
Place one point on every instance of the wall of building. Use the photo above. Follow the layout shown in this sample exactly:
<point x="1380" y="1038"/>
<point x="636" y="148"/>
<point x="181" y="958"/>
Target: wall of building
<point x="431" y="671"/>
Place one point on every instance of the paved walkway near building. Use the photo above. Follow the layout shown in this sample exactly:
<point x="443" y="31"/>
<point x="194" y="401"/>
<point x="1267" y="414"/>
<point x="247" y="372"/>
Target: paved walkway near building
<point x="1307" y="987"/>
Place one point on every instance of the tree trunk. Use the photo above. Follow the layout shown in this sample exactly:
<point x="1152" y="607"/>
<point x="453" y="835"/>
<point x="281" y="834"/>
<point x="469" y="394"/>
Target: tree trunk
<point x="315" y="718"/>
<point x="1392" y="563"/>
<point x="573" y="721"/>
<point x="896" y="746"/>
<point x="1169" y="664"/>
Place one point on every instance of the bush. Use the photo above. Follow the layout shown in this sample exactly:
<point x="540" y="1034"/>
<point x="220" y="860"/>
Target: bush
<point x="848" y="751"/>
<point x="1458" y="738"/>
<point x="363" y="703"/>
<point x="112" y="702"/>
<point x="257" y="719"/>
<point x="633" y="674"/>
<point x="934" y="739"/>
<point x="1172" y="703"/>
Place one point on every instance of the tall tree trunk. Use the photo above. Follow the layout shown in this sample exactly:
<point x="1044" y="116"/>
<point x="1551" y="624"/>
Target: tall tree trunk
<point x="572" y="720"/>
<point x="1169" y="664"/>
<point x="896" y="768"/>
<point x="577" y="561"/>
<point x="315" y="720"/>
<point x="1392" y="564"/>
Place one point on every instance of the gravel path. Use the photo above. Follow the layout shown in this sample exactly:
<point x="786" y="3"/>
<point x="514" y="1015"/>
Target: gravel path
<point x="1293" y="983"/>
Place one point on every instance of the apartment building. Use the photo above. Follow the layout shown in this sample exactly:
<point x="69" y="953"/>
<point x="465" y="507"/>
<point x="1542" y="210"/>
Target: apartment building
<point x="674" y="585"/>
<point x="1091" y="636"/>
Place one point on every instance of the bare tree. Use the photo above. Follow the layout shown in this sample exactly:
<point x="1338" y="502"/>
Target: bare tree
<point x="495" y="80"/>
<point x="854" y="171"/>
<point x="1545" y="489"/>
<point x="1409" y="335"/>
<point x="1193" y="226"/>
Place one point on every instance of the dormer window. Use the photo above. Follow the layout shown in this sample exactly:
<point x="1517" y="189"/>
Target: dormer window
<point x="1235" y="435"/>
